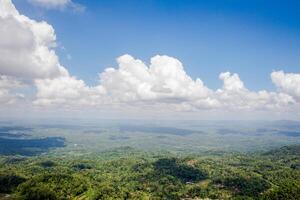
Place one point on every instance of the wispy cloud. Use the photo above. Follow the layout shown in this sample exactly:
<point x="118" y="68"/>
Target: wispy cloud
<point x="58" y="4"/>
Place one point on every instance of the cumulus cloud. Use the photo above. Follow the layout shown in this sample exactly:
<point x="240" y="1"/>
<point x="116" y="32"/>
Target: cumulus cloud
<point x="7" y="85"/>
<point x="164" y="80"/>
<point x="231" y="82"/>
<point x="163" y="83"/>
<point x="67" y="91"/>
<point x="234" y="95"/>
<point x="58" y="4"/>
<point x="26" y="46"/>
<point x="288" y="83"/>
<point x="27" y="49"/>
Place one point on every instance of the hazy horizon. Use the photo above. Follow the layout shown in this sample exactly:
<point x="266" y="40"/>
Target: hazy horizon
<point x="149" y="99"/>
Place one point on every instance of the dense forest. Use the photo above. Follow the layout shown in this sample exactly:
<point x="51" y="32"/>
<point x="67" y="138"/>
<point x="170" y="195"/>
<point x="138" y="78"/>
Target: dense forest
<point x="126" y="173"/>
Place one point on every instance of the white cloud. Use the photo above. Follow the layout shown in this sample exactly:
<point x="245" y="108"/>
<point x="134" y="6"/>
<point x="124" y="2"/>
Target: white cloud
<point x="58" y="4"/>
<point x="51" y="3"/>
<point x="67" y="91"/>
<point x="234" y="95"/>
<point x="26" y="46"/>
<point x="28" y="57"/>
<point x="288" y="83"/>
<point x="231" y="82"/>
<point x="7" y="85"/>
<point x="164" y="80"/>
<point x="163" y="84"/>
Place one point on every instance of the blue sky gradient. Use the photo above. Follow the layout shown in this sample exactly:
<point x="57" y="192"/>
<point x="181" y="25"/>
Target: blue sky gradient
<point x="251" y="38"/>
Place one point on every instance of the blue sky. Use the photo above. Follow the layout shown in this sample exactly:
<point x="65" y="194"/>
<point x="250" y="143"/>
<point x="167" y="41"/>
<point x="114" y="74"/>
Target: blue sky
<point x="251" y="38"/>
<point x="241" y="58"/>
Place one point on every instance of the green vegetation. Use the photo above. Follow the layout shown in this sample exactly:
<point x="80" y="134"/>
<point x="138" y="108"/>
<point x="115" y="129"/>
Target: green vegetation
<point x="125" y="173"/>
<point x="167" y="160"/>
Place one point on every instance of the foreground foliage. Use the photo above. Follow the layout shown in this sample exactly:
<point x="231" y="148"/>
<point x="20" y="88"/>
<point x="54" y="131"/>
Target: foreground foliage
<point x="128" y="174"/>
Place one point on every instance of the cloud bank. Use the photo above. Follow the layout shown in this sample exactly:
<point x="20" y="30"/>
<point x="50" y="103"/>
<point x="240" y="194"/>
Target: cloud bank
<point x="163" y="83"/>
<point x="28" y="59"/>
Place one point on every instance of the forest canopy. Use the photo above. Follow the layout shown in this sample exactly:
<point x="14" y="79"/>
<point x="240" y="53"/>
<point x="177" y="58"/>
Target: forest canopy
<point x="130" y="174"/>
